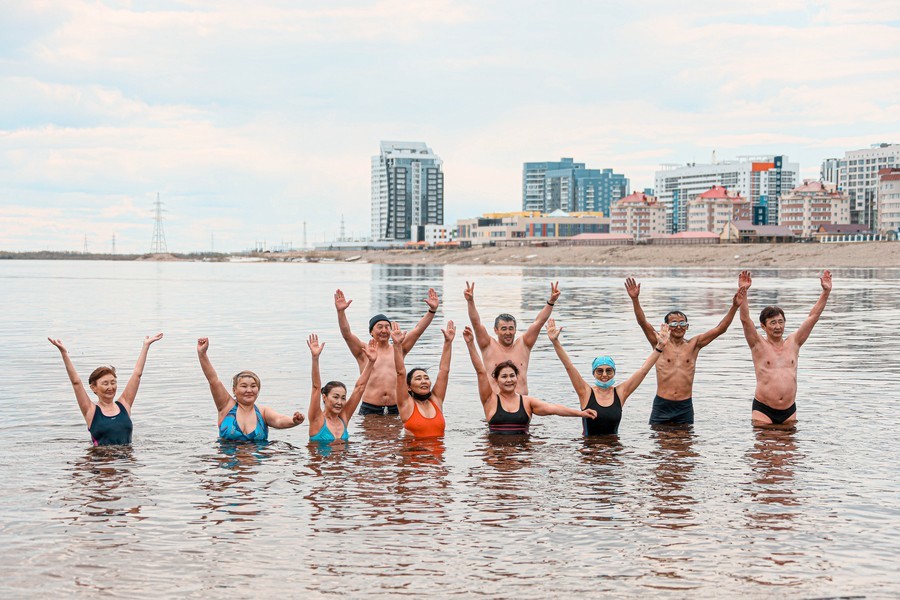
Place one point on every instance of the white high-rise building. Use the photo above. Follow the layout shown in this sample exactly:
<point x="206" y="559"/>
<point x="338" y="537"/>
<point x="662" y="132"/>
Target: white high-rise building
<point x="760" y="179"/>
<point x="407" y="191"/>
<point x="858" y="177"/>
<point x="889" y="201"/>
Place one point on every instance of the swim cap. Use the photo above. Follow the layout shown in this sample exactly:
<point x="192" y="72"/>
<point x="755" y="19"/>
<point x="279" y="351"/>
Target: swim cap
<point x="603" y="360"/>
<point x="374" y="321"/>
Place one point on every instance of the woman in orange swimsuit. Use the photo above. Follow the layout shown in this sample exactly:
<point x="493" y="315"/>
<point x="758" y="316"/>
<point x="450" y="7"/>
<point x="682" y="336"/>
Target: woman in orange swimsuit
<point x="421" y="404"/>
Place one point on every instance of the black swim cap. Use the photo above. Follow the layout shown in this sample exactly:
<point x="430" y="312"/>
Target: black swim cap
<point x="374" y="321"/>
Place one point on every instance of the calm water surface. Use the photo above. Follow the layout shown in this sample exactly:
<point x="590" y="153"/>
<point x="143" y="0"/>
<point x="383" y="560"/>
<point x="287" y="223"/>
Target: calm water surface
<point x="712" y="511"/>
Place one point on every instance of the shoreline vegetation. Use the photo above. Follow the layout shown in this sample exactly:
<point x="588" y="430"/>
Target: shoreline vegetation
<point x="795" y="255"/>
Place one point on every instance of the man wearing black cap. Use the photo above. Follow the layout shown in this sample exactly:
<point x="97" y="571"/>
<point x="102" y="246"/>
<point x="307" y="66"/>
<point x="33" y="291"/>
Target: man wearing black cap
<point x="381" y="392"/>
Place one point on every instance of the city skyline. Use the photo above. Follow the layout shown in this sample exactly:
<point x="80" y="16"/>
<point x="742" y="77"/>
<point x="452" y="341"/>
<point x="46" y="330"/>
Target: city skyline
<point x="251" y="122"/>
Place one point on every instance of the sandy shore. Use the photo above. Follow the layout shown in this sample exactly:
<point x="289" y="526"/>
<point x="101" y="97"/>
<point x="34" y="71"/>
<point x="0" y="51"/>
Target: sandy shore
<point x="812" y="255"/>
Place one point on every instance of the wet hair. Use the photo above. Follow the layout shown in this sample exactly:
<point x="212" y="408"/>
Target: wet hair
<point x="769" y="312"/>
<point x="506" y="363"/>
<point x="673" y="312"/>
<point x="100" y="372"/>
<point x="411" y="372"/>
<point x="242" y="374"/>
<point x="331" y="385"/>
<point x="504" y="317"/>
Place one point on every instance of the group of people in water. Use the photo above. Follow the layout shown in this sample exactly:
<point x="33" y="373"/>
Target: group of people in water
<point x="385" y="387"/>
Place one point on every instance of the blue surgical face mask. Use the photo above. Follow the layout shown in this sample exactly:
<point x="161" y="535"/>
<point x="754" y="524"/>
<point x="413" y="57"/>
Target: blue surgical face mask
<point x="605" y="385"/>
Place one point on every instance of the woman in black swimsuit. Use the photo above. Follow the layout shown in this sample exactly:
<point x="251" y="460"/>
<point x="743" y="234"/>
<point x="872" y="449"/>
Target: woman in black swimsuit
<point x="506" y="411"/>
<point x="606" y="398"/>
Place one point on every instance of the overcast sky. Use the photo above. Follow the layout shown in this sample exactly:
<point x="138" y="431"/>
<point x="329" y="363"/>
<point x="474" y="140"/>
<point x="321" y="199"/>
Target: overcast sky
<point x="249" y="122"/>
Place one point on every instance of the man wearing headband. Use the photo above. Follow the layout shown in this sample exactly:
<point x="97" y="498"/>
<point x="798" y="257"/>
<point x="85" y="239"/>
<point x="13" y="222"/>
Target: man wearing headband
<point x="675" y="369"/>
<point x="380" y="396"/>
<point x="507" y="346"/>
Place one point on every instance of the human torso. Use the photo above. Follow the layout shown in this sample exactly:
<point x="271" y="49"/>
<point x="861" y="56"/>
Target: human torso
<point x="518" y="353"/>
<point x="327" y="433"/>
<point x="381" y="390"/>
<point x="421" y="426"/>
<point x="244" y="426"/>
<point x="113" y="429"/>
<point x="608" y="417"/>
<point x="510" y="420"/>
<point x="776" y="372"/>
<point x="675" y="370"/>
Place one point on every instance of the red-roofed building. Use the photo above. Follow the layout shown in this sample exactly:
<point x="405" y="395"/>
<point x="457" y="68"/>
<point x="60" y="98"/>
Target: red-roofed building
<point x="889" y="201"/>
<point x="638" y="215"/>
<point x="812" y="204"/>
<point x="715" y="208"/>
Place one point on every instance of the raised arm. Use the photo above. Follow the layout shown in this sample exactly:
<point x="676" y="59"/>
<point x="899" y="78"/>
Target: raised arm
<point x="84" y="401"/>
<point x="134" y="381"/>
<point x="543" y="409"/>
<point x="625" y="389"/>
<point x="218" y="390"/>
<point x="355" y="344"/>
<point x="529" y="338"/>
<point x="634" y="290"/>
<point x="439" y="390"/>
<point x="416" y="332"/>
<point x="481" y="333"/>
<point x="404" y="402"/>
<point x="581" y="386"/>
<point x="750" y="334"/>
<point x="802" y="333"/>
<point x="485" y="389"/>
<point x="704" y="339"/>
<point x="371" y="355"/>
<point x="315" y="396"/>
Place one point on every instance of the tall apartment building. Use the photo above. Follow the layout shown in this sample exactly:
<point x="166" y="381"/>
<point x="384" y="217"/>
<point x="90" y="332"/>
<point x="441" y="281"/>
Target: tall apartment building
<point x="715" y="208"/>
<point x="889" y="201"/>
<point x="639" y="215"/>
<point x="407" y="191"/>
<point x="568" y="186"/>
<point x="812" y="204"/>
<point x="760" y="179"/>
<point x="857" y="175"/>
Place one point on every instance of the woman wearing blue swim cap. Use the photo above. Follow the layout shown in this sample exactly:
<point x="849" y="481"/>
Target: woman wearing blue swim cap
<point x="605" y="396"/>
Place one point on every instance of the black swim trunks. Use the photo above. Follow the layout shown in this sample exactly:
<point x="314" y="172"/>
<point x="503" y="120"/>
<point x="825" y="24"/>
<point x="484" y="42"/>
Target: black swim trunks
<point x="372" y="409"/>
<point x="778" y="416"/>
<point x="672" y="412"/>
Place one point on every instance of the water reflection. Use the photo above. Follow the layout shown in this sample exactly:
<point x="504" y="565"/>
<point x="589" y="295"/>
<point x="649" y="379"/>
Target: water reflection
<point x="673" y="458"/>
<point x="773" y="461"/>
<point x="399" y="290"/>
<point x="230" y="480"/>
<point x="104" y="488"/>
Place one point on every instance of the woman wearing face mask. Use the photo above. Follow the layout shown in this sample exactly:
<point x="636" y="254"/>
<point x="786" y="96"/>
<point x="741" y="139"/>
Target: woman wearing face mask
<point x="108" y="420"/>
<point x="606" y="397"/>
<point x="421" y="405"/>
<point x="330" y="424"/>
<point x="508" y="412"/>
<point x="241" y="419"/>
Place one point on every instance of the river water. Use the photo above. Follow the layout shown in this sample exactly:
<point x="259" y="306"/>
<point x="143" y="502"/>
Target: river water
<point x="711" y="511"/>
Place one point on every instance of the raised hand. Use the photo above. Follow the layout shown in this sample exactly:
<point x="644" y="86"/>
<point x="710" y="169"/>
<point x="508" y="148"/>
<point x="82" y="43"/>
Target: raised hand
<point x="662" y="336"/>
<point x="202" y="345"/>
<point x="341" y="303"/>
<point x="554" y="292"/>
<point x="58" y="344"/>
<point x="740" y="296"/>
<point x="449" y="332"/>
<point x="468" y="335"/>
<point x="298" y="418"/>
<point x="397" y="334"/>
<point x="632" y="287"/>
<point x="589" y="413"/>
<point x="552" y="331"/>
<point x="469" y="294"/>
<point x="371" y="350"/>
<point x="315" y="348"/>
<point x="153" y="338"/>
<point x="744" y="280"/>
<point x="432" y="300"/>
<point x="825" y="280"/>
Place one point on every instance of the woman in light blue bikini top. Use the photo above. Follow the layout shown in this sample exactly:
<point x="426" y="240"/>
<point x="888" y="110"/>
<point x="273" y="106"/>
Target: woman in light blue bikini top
<point x="240" y="418"/>
<point x="329" y="408"/>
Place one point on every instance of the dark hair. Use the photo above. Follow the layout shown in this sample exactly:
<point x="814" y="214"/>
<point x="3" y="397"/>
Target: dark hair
<point x="504" y="317"/>
<point x="331" y="385"/>
<point x="506" y="363"/>
<point x="409" y="374"/>
<point x="100" y="372"/>
<point x="673" y="312"/>
<point x="769" y="312"/>
<point x="242" y="374"/>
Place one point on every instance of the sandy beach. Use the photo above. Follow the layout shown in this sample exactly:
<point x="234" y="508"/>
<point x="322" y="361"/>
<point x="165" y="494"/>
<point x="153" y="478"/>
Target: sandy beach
<point x="812" y="255"/>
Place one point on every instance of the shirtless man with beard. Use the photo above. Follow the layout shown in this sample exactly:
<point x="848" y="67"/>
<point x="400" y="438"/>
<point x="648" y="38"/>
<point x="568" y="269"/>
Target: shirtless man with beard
<point x="507" y="346"/>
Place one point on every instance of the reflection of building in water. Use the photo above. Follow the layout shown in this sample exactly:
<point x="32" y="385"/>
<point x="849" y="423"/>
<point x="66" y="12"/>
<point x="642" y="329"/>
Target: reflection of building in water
<point x="674" y="459"/>
<point x="772" y="461"/>
<point x="399" y="291"/>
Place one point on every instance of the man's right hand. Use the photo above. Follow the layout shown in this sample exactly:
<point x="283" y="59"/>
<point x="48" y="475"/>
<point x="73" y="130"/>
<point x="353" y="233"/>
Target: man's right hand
<point x="341" y="303"/>
<point x="469" y="294"/>
<point x="633" y="288"/>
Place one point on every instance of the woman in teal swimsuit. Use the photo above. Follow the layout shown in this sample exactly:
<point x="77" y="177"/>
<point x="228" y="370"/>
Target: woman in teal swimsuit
<point x="240" y="419"/>
<point x="330" y="424"/>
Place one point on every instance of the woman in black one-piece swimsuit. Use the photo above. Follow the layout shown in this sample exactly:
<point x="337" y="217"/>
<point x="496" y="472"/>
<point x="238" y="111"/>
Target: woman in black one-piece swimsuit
<point x="606" y="398"/>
